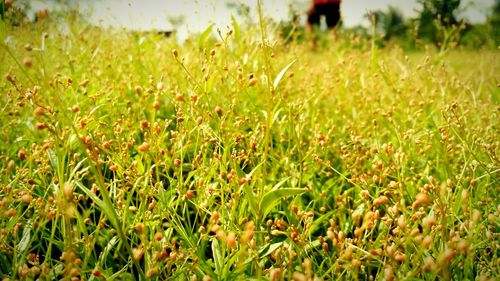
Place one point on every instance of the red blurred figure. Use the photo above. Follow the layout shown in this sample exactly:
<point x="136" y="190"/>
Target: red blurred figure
<point x="328" y="8"/>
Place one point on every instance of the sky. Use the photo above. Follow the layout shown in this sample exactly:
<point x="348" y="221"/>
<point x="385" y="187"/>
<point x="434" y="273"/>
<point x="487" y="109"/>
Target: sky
<point x="198" y="14"/>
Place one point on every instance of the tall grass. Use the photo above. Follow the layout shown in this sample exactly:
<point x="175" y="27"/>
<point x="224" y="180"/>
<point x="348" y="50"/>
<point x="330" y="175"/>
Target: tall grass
<point x="128" y="157"/>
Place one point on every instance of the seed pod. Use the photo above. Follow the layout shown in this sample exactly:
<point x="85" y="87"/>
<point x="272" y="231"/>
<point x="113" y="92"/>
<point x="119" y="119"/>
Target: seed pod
<point x="158" y="236"/>
<point x="145" y="123"/>
<point x="218" y="111"/>
<point x="21" y="154"/>
<point x="231" y="240"/>
<point x="137" y="253"/>
<point x="156" y="105"/>
<point x="139" y="227"/>
<point x="421" y="199"/>
<point x="28" y="61"/>
<point x="252" y="82"/>
<point x="39" y="111"/>
<point x="68" y="190"/>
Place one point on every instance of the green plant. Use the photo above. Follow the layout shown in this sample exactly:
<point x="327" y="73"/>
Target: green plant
<point x="129" y="156"/>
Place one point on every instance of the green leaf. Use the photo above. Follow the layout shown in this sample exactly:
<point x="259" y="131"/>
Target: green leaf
<point x="267" y="250"/>
<point x="217" y="257"/>
<point x="237" y="32"/>
<point x="25" y="239"/>
<point x="140" y="167"/>
<point x="312" y="245"/>
<point x="317" y="224"/>
<point x="271" y="198"/>
<point x="278" y="78"/>
<point x="251" y="198"/>
<point x="54" y="162"/>
<point x="204" y="36"/>
<point x="107" y="209"/>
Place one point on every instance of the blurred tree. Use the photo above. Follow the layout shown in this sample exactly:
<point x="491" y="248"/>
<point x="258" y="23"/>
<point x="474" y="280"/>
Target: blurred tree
<point x="390" y="23"/>
<point x="14" y="12"/>
<point x="493" y="23"/>
<point x="435" y="17"/>
<point x="291" y="29"/>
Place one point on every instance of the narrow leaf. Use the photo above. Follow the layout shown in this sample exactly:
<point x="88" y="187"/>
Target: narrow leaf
<point x="25" y="240"/>
<point x="54" y="162"/>
<point x="278" y="78"/>
<point x="271" y="198"/>
<point x="251" y="198"/>
<point x="204" y="36"/>
<point x="217" y="256"/>
<point x="237" y="32"/>
<point x="273" y="247"/>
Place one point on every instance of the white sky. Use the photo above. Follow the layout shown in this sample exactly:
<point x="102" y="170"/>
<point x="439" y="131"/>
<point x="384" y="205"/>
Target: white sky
<point x="148" y="14"/>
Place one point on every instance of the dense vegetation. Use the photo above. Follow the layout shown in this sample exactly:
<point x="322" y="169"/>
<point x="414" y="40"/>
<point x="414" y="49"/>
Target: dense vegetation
<point x="127" y="156"/>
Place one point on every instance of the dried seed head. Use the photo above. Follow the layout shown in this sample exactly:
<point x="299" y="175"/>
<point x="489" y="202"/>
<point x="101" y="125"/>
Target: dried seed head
<point x="177" y="162"/>
<point x="252" y="82"/>
<point x="242" y="181"/>
<point x="190" y="194"/>
<point x="28" y="61"/>
<point x="388" y="273"/>
<point x="137" y="253"/>
<point x="26" y="198"/>
<point x="428" y="221"/>
<point x="249" y="231"/>
<point x="40" y="125"/>
<point x="231" y="240"/>
<point x="158" y="236"/>
<point x="275" y="274"/>
<point x="476" y="215"/>
<point x="139" y="227"/>
<point x="10" y="213"/>
<point x="152" y="272"/>
<point x="215" y="217"/>
<point x="145" y="123"/>
<point x="218" y="110"/>
<point x="175" y="53"/>
<point x="401" y="222"/>
<point x="68" y="190"/>
<point x="21" y="154"/>
<point x="429" y="264"/>
<point x="400" y="257"/>
<point x="143" y="147"/>
<point x="421" y="199"/>
<point x="156" y="105"/>
<point x="39" y="111"/>
<point x="299" y="276"/>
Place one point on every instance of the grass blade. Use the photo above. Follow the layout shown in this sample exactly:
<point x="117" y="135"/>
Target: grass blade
<point x="271" y="198"/>
<point x="280" y="75"/>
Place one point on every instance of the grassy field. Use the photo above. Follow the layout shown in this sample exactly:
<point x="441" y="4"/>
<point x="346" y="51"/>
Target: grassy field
<point x="130" y="157"/>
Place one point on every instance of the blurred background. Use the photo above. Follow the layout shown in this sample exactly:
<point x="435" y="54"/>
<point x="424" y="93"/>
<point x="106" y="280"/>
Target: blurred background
<point x="409" y="21"/>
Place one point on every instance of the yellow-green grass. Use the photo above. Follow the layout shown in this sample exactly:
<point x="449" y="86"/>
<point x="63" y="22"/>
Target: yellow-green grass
<point x="128" y="156"/>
